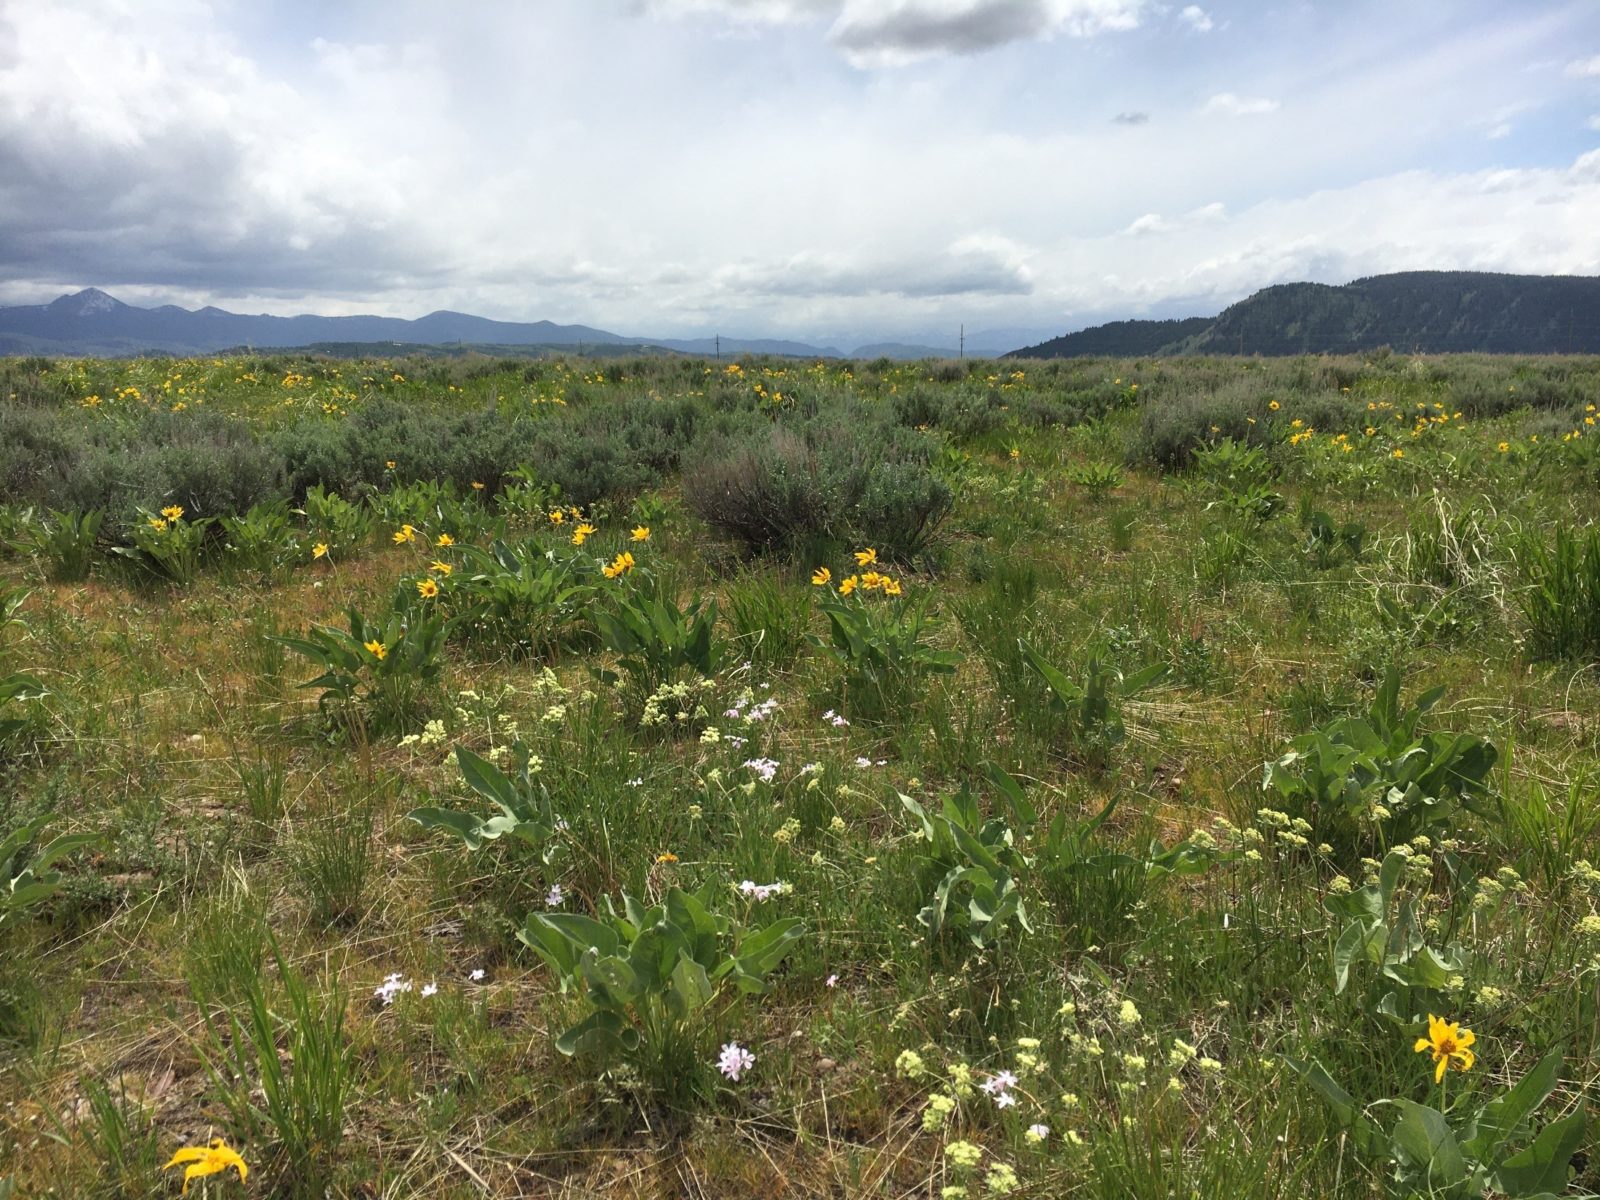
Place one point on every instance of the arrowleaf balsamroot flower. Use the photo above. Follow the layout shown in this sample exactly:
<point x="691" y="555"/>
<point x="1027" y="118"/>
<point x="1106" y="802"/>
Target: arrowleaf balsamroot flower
<point x="320" y="550"/>
<point x="867" y="557"/>
<point x="378" y="649"/>
<point x="582" y="533"/>
<point x="641" y="533"/>
<point x="821" y="577"/>
<point x="427" y="588"/>
<point x="173" y="512"/>
<point x="1448" y="1041"/>
<point x="405" y="534"/>
<point x="208" y="1160"/>
<point x="444" y="539"/>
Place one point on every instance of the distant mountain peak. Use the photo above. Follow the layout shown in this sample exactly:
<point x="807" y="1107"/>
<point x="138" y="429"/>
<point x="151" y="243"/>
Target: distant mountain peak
<point x="87" y="303"/>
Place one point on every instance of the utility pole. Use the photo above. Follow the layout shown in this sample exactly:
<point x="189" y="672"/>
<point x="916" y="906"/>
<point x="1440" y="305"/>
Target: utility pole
<point x="961" y="351"/>
<point x="719" y="347"/>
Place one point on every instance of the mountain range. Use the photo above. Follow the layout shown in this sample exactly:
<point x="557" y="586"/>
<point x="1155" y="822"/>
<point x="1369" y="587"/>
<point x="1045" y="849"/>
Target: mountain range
<point x="91" y="322"/>
<point x="1433" y="312"/>
<point x="1429" y="312"/>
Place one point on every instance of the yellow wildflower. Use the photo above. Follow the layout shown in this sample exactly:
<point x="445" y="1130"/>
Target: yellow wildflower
<point x="891" y="587"/>
<point x="207" y="1160"/>
<point x="666" y="857"/>
<point x="444" y="539"/>
<point x="427" y="588"/>
<point x="867" y="557"/>
<point x="320" y="550"/>
<point x="641" y="533"/>
<point x="379" y="650"/>
<point x="389" y="464"/>
<point x="1448" y="1041"/>
<point x="441" y="567"/>
<point x="846" y="586"/>
<point x="404" y="535"/>
<point x="582" y="533"/>
<point x="476" y="486"/>
<point x="557" y="517"/>
<point x="172" y="512"/>
<point x="821" y="577"/>
<point x="1273" y="405"/>
<point x="158" y="524"/>
<point x="620" y="565"/>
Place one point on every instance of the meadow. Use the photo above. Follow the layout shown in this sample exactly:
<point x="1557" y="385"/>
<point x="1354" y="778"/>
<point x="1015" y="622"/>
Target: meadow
<point x="661" y="777"/>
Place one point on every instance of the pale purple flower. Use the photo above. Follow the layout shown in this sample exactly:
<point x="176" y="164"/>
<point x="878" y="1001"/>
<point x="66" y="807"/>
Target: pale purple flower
<point x="735" y="1060"/>
<point x="831" y="981"/>
<point x="429" y="989"/>
<point x="765" y="767"/>
<point x="391" y="987"/>
<point x="999" y="1083"/>
<point x="862" y="762"/>
<point x="476" y="975"/>
<point x="837" y="720"/>
<point x="553" y="897"/>
<point x="636" y="781"/>
<point x="1038" y="1133"/>
<point x="1005" y="1100"/>
<point x="762" y="891"/>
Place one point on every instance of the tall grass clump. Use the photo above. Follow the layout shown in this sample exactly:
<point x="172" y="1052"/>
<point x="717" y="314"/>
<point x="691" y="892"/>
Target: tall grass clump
<point x="1561" y="597"/>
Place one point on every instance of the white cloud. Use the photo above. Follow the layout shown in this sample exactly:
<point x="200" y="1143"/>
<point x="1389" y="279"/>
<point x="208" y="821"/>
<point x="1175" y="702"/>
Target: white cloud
<point x="1584" y="68"/>
<point x="1197" y="19"/>
<point x="880" y="33"/>
<point x="1228" y="104"/>
<point x="1594" y="122"/>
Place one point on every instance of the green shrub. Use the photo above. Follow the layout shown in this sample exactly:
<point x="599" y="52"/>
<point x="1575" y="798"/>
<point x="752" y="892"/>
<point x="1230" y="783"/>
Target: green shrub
<point x="845" y="476"/>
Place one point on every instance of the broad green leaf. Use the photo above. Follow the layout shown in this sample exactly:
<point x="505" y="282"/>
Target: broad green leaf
<point x="1543" y="1166"/>
<point x="483" y="777"/>
<point x="1502" y="1116"/>
<point x="1423" y="1138"/>
<point x="690" y="985"/>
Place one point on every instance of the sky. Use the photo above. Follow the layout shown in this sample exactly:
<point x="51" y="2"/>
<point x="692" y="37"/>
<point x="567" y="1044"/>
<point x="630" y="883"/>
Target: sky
<point x="838" y="171"/>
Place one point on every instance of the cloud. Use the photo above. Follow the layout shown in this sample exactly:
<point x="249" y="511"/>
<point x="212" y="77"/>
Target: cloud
<point x="1196" y="18"/>
<point x="1594" y="122"/>
<point x="1227" y="104"/>
<point x="1131" y="118"/>
<point x="1584" y="68"/>
<point x="893" y="32"/>
<point x="974" y="266"/>
<point x="770" y="11"/>
<point x="1155" y="223"/>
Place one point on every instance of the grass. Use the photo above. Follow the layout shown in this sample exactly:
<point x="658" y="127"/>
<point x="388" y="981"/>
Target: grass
<point x="262" y="946"/>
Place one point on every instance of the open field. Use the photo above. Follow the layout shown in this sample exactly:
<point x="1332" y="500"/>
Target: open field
<point x="1059" y="779"/>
